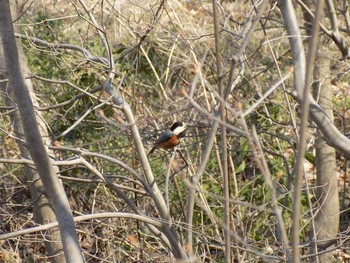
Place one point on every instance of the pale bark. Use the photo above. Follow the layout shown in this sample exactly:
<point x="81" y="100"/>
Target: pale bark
<point x="52" y="187"/>
<point x="331" y="136"/>
<point x="42" y="210"/>
<point x="326" y="218"/>
<point x="327" y="215"/>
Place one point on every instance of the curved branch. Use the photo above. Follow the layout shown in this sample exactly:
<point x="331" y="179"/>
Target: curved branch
<point x="34" y="142"/>
<point x="331" y="134"/>
<point x="44" y="43"/>
<point x="168" y="229"/>
<point x="334" y="33"/>
<point x="142" y="218"/>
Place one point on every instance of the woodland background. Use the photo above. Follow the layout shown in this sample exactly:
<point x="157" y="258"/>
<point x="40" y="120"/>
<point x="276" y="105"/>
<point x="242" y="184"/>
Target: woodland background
<point x="262" y="174"/>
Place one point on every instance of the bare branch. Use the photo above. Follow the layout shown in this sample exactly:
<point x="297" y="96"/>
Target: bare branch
<point x="34" y="142"/>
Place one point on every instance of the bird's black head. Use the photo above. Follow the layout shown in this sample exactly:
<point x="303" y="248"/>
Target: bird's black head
<point x="178" y="127"/>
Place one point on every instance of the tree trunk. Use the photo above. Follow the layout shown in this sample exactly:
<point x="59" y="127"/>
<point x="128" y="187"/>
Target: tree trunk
<point x="42" y="210"/>
<point x="327" y="215"/>
<point x="326" y="221"/>
<point x="32" y="131"/>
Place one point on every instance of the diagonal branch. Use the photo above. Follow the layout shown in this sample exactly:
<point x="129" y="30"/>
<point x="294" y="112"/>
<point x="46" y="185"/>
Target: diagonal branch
<point x="52" y="185"/>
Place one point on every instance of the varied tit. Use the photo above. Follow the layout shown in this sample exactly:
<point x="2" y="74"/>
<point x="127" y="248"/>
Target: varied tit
<point x="170" y="137"/>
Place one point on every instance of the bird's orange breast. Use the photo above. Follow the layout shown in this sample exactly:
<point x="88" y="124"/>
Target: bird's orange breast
<point x="171" y="143"/>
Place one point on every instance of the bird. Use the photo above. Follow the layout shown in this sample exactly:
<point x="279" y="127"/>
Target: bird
<point x="170" y="137"/>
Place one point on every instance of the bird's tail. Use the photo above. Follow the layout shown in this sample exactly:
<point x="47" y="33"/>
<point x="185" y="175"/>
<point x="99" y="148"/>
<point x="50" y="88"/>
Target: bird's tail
<point x="152" y="150"/>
